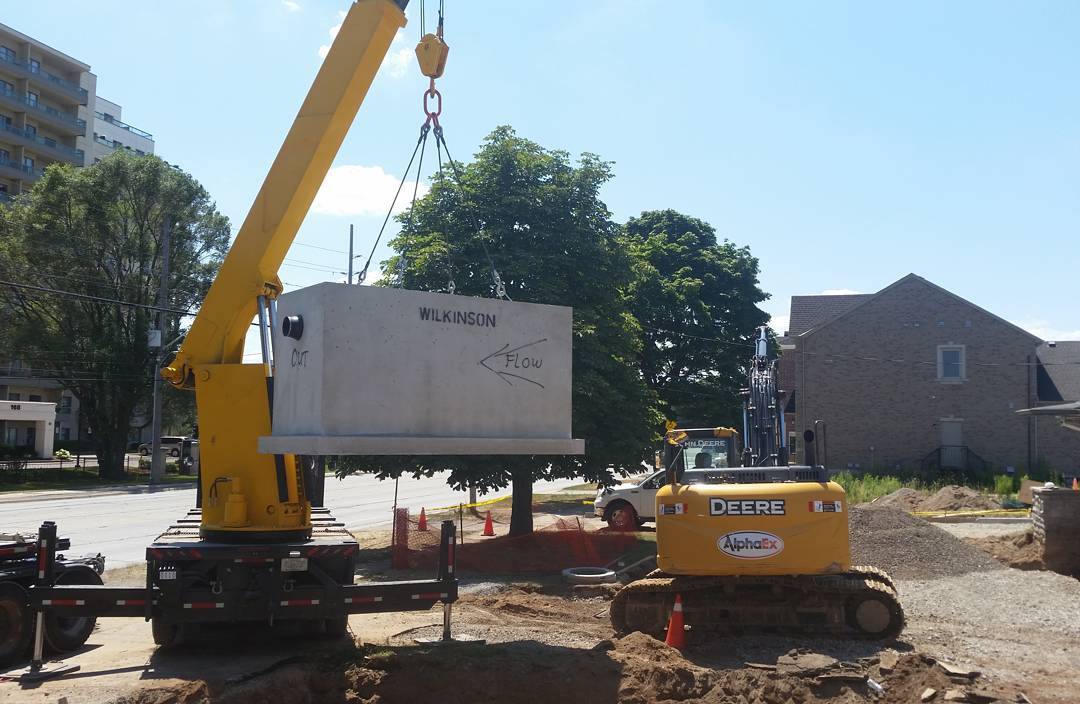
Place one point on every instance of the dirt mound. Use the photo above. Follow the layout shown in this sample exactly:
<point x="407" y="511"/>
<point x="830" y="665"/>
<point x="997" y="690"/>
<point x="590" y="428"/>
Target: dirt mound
<point x="635" y="669"/>
<point x="910" y="548"/>
<point x="958" y="498"/>
<point x="904" y="497"/>
<point x="1017" y="550"/>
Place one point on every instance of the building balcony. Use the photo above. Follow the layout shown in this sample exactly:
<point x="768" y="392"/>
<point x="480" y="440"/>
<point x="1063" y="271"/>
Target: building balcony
<point x="13" y="170"/>
<point x="50" y="82"/>
<point x="28" y="138"/>
<point x="123" y="125"/>
<point x="106" y="142"/>
<point x="61" y="121"/>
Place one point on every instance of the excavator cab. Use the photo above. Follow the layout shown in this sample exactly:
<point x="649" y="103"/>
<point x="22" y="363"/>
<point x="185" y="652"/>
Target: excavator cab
<point x="698" y="449"/>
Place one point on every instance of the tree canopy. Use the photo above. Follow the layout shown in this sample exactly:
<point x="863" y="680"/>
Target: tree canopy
<point x="696" y="301"/>
<point x="97" y="232"/>
<point x="540" y="218"/>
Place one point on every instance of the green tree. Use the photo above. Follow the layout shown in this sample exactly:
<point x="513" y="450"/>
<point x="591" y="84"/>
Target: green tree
<point x="97" y="232"/>
<point x="696" y="300"/>
<point x="552" y="240"/>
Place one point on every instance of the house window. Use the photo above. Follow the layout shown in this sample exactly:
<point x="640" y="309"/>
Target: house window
<point x="6" y="54"/>
<point x="32" y="99"/>
<point x="65" y="405"/>
<point x="14" y="396"/>
<point x="30" y="131"/>
<point x="7" y="88"/>
<point x="65" y="433"/>
<point x="5" y="155"/>
<point x="28" y="164"/>
<point x="35" y="398"/>
<point x="951" y="363"/>
<point x="35" y="66"/>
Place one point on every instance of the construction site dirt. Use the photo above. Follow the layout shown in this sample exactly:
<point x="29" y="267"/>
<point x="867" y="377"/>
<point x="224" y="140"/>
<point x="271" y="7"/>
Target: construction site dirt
<point x="977" y="631"/>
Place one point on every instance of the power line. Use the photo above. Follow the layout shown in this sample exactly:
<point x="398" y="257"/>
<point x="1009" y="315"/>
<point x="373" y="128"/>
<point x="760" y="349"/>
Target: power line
<point x="96" y="299"/>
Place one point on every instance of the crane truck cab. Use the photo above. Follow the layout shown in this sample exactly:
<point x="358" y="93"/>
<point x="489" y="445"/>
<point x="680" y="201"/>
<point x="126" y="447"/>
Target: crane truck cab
<point x="629" y="505"/>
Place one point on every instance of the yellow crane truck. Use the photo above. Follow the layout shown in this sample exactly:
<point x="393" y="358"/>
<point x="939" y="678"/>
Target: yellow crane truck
<point x="254" y="549"/>
<point x="763" y="547"/>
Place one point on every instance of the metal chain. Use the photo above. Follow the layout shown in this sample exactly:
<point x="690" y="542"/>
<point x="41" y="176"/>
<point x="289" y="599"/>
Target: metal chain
<point x="500" y="287"/>
<point x="402" y="258"/>
<point x="424" y="129"/>
<point x="451" y="287"/>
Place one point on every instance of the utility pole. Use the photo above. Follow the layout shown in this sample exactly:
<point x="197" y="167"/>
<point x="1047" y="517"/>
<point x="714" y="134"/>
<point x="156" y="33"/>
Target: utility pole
<point x="157" y="457"/>
<point x="350" y="253"/>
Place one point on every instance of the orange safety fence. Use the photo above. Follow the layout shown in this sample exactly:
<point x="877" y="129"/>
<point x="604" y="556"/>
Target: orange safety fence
<point x="549" y="549"/>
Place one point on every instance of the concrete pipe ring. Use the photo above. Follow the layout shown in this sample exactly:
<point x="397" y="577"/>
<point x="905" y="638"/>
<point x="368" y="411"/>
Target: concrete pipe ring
<point x="588" y="575"/>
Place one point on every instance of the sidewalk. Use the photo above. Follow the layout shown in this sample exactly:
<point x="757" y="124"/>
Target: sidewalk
<point x="14" y="497"/>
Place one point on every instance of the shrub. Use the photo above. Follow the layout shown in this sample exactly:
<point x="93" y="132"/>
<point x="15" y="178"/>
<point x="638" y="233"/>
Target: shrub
<point x="62" y="454"/>
<point x="870" y="486"/>
<point x="1005" y="484"/>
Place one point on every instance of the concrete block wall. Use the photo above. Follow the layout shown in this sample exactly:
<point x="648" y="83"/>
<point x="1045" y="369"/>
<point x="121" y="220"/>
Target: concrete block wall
<point x="1056" y="519"/>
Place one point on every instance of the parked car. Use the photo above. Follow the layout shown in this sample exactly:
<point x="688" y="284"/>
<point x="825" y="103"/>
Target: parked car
<point x="629" y="505"/>
<point x="170" y="443"/>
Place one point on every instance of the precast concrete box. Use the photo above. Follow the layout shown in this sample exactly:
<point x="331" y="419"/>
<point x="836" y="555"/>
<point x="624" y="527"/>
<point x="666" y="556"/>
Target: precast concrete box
<point x="367" y="370"/>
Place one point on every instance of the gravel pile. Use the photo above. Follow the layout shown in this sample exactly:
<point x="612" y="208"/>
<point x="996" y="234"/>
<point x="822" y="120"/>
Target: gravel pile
<point x="958" y="498"/>
<point x="904" y="497"/>
<point x="910" y="548"/>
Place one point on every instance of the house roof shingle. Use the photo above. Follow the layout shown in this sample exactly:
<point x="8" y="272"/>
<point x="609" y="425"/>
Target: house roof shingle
<point x="810" y="311"/>
<point x="1058" y="374"/>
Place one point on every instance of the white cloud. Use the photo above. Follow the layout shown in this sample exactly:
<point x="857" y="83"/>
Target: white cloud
<point x="1044" y="330"/>
<point x="839" y="292"/>
<point x="291" y="5"/>
<point x="362" y="190"/>
<point x="398" y="62"/>
<point x="779" y="323"/>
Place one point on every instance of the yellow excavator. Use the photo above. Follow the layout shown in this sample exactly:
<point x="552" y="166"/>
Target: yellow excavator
<point x="763" y="547"/>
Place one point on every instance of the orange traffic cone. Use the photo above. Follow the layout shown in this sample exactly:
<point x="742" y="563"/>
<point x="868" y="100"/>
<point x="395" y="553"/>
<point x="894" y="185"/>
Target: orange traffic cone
<point x="676" y="629"/>
<point x="1076" y="485"/>
<point x="489" y="527"/>
<point x="422" y="523"/>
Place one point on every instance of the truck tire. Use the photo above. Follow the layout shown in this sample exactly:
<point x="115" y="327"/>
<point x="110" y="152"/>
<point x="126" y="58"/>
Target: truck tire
<point x="165" y="634"/>
<point x="16" y="625"/>
<point x="64" y="633"/>
<point x="621" y="516"/>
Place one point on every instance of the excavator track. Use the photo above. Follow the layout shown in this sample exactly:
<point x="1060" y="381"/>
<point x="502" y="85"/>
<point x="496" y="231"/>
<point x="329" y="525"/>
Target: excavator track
<point x="860" y="603"/>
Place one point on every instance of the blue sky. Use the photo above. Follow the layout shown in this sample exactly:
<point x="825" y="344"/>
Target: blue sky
<point x="847" y="143"/>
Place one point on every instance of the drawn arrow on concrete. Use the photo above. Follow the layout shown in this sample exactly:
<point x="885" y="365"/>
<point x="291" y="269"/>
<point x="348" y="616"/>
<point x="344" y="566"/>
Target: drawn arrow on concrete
<point x="504" y="351"/>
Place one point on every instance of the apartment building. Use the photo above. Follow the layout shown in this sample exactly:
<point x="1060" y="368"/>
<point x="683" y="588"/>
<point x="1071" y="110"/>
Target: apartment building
<point x="49" y="112"/>
<point x="112" y="133"/>
<point x="46" y="107"/>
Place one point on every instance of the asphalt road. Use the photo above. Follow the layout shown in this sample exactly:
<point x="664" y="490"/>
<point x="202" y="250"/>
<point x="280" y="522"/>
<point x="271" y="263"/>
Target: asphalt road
<point x="120" y="522"/>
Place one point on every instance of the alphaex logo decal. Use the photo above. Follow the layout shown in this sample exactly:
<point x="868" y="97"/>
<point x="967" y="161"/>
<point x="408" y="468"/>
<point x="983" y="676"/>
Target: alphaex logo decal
<point x="826" y="507"/>
<point x="746" y="507"/>
<point x="672" y="509"/>
<point x="750" y="544"/>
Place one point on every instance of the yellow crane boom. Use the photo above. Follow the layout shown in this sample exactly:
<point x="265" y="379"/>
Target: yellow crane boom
<point x="251" y="266"/>
<point x="246" y="496"/>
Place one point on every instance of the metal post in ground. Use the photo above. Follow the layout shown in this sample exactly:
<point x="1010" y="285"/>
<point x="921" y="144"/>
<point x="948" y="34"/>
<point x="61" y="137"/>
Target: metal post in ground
<point x="46" y="561"/>
<point x="350" y="253"/>
<point x="157" y="457"/>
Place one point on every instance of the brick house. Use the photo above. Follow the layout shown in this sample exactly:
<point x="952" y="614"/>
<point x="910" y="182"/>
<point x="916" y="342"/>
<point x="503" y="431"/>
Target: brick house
<point x="915" y="378"/>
